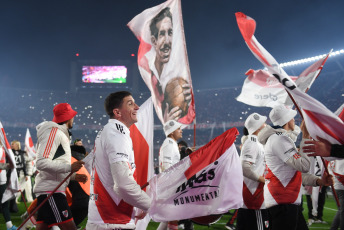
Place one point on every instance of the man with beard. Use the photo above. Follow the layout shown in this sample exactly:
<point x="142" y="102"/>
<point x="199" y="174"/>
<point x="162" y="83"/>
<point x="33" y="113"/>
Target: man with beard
<point x="54" y="165"/>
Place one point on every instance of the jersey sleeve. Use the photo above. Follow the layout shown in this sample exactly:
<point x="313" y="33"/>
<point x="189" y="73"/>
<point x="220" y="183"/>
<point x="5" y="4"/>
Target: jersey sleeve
<point x="116" y="147"/>
<point x="46" y="152"/>
<point x="284" y="148"/>
<point x="166" y="154"/>
<point x="249" y="152"/>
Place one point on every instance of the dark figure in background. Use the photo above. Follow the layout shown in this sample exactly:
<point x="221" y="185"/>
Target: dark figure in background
<point x="184" y="152"/>
<point x="80" y="191"/>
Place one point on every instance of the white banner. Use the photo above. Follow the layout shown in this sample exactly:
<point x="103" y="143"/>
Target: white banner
<point x="209" y="181"/>
<point x="163" y="62"/>
<point x="262" y="89"/>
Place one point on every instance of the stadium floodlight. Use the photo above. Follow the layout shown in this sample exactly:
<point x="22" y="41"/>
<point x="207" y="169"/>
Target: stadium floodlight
<point x="310" y="59"/>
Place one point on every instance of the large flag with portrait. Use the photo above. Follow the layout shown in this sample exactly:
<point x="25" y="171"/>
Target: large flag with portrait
<point x="13" y="184"/>
<point x="208" y="181"/>
<point x="320" y="121"/>
<point x="163" y="62"/>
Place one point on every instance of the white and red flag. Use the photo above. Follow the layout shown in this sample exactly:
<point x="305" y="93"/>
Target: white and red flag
<point x="163" y="62"/>
<point x="319" y="120"/>
<point x="142" y="134"/>
<point x="29" y="146"/>
<point x="13" y="185"/>
<point x="209" y="181"/>
<point x="262" y="89"/>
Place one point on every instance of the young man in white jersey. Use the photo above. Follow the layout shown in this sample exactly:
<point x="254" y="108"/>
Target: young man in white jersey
<point x="286" y="170"/>
<point x="114" y="192"/>
<point x="169" y="155"/>
<point x="253" y="215"/>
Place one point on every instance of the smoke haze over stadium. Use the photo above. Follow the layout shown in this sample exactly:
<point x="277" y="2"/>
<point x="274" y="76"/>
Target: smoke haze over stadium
<point x="39" y="38"/>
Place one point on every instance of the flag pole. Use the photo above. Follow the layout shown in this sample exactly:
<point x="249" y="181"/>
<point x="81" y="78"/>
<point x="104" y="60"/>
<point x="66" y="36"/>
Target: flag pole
<point x="45" y="200"/>
<point x="322" y="159"/>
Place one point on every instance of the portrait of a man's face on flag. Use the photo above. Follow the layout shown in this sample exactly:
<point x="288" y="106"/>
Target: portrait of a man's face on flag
<point x="163" y="62"/>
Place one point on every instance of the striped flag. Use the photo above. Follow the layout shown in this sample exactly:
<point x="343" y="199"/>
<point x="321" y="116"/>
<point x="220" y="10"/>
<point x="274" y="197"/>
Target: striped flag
<point x="29" y="146"/>
<point x="209" y="181"/>
<point x="13" y="185"/>
<point x="163" y="61"/>
<point x="262" y="89"/>
<point x="319" y="120"/>
<point x="142" y="134"/>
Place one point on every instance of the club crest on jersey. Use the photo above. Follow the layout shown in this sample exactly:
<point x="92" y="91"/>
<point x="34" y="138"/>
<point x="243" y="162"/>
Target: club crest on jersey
<point x="65" y="213"/>
<point x="266" y="223"/>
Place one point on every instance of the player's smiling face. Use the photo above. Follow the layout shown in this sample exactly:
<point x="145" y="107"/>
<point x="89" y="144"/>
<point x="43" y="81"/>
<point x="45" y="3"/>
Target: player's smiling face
<point x="127" y="113"/>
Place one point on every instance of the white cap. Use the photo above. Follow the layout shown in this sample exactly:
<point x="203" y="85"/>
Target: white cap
<point x="281" y="115"/>
<point x="171" y="126"/>
<point x="254" y="122"/>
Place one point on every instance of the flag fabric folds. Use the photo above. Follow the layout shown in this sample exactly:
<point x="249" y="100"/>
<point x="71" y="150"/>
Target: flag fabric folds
<point x="141" y="134"/>
<point x="319" y="120"/>
<point x="163" y="62"/>
<point x="13" y="185"/>
<point x="29" y="146"/>
<point x="209" y="181"/>
<point x="262" y="89"/>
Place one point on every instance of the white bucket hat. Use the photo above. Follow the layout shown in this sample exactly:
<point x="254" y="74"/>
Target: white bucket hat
<point x="254" y="122"/>
<point x="281" y="115"/>
<point x="171" y="126"/>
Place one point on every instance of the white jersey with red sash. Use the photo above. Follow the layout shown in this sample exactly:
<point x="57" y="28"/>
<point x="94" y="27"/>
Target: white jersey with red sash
<point x="112" y="144"/>
<point x="337" y="168"/>
<point x="283" y="183"/>
<point x="253" y="152"/>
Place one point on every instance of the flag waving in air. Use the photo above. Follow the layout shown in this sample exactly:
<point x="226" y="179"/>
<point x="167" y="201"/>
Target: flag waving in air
<point x="29" y="146"/>
<point x="163" y="62"/>
<point x="209" y="181"/>
<point x="262" y="89"/>
<point x="319" y="120"/>
<point x="13" y="185"/>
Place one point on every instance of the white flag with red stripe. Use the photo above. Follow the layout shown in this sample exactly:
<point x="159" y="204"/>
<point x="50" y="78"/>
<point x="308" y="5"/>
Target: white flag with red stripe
<point x="13" y="185"/>
<point x="29" y="146"/>
<point x="163" y="62"/>
<point x="209" y="181"/>
<point x="142" y="134"/>
<point x="262" y="89"/>
<point x="319" y="120"/>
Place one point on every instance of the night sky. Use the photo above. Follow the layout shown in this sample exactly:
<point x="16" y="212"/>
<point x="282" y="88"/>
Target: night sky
<point x="40" y="38"/>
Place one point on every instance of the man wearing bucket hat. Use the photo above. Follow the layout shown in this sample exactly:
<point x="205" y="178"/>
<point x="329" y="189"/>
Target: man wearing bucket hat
<point x="253" y="215"/>
<point x="169" y="151"/>
<point x="169" y="155"/>
<point x="54" y="165"/>
<point x="282" y="190"/>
